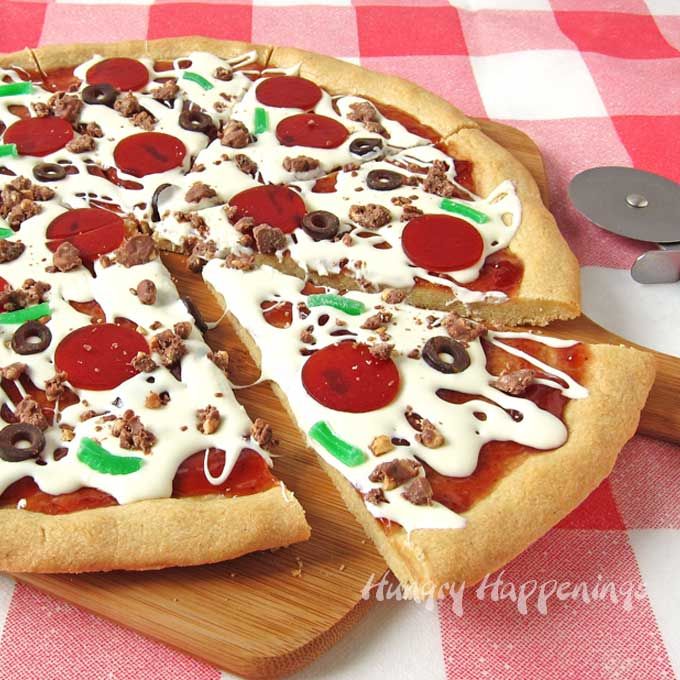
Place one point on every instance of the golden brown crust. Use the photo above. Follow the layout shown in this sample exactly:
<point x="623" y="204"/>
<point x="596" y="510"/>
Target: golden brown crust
<point x="23" y="59"/>
<point x="150" y="534"/>
<point x="528" y="501"/>
<point x="56" y="56"/>
<point x="340" y="77"/>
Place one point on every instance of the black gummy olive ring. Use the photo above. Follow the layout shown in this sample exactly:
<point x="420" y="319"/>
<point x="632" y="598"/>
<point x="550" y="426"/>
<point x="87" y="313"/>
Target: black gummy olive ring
<point x="361" y="146"/>
<point x="49" y="172"/>
<point x="320" y="225"/>
<point x="23" y="339"/>
<point x="102" y="94"/>
<point x="442" y="344"/>
<point x="155" y="215"/>
<point x="196" y="121"/>
<point x="20" y="432"/>
<point x="384" y="180"/>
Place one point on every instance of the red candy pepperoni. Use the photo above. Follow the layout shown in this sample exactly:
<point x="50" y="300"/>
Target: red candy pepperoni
<point x="39" y="136"/>
<point x="312" y="130"/>
<point x="271" y="204"/>
<point x="288" y="92"/>
<point x="97" y="357"/>
<point x="147" y="153"/>
<point x="120" y="72"/>
<point x="441" y="243"/>
<point x="347" y="377"/>
<point x="91" y="230"/>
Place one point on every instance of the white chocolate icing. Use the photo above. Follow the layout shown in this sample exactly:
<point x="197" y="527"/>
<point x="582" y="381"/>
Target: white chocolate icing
<point x="463" y="432"/>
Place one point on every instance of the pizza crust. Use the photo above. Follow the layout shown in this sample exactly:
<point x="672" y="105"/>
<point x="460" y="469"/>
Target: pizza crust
<point x="529" y="500"/>
<point x="151" y="534"/>
<point x="23" y="59"/>
<point x="56" y="56"/>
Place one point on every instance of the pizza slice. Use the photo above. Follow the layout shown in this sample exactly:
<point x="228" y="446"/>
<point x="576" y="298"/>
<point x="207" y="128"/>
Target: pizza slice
<point x="454" y="444"/>
<point x="121" y="443"/>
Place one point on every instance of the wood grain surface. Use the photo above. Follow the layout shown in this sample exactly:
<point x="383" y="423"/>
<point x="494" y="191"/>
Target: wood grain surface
<point x="269" y="614"/>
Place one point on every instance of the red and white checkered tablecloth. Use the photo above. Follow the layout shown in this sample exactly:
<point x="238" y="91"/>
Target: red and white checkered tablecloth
<point x="594" y="82"/>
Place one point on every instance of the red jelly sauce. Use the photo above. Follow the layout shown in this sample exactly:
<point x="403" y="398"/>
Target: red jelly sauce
<point x="502" y="271"/>
<point x="290" y="92"/>
<point x="464" y="175"/>
<point x="249" y="475"/>
<point x="91" y="308"/>
<point x="111" y="174"/>
<point x="121" y="72"/>
<point x="93" y="231"/>
<point x="326" y="184"/>
<point x="272" y="204"/>
<point x="412" y="124"/>
<point x="311" y="130"/>
<point x="278" y="314"/>
<point x="39" y="136"/>
<point x="497" y="459"/>
<point x="60" y="79"/>
<point x="97" y="357"/>
<point x="441" y="243"/>
<point x="148" y="153"/>
<point x="347" y="377"/>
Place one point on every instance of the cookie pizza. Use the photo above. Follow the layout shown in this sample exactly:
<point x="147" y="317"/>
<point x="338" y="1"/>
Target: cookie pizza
<point x="372" y="247"/>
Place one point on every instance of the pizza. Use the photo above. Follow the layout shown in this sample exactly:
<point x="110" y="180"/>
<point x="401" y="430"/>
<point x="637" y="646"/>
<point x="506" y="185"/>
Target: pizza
<point x="376" y="252"/>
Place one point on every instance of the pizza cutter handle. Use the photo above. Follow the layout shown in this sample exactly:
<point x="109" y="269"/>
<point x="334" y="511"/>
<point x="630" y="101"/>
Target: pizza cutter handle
<point x="658" y="266"/>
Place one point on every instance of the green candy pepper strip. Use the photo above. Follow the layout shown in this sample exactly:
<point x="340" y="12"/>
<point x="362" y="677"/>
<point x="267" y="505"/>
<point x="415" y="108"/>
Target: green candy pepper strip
<point x="346" y="453"/>
<point x="198" y="79"/>
<point x="100" y="460"/>
<point x="340" y="302"/>
<point x="8" y="150"/>
<point x="261" y="122"/>
<point x="4" y="233"/>
<point x="464" y="211"/>
<point x="28" y="314"/>
<point x="10" y="89"/>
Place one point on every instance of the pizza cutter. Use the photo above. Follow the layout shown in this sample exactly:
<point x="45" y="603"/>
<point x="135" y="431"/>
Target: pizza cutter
<point x="639" y="205"/>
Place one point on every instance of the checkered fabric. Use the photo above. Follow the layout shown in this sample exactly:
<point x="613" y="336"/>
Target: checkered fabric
<point x="594" y="83"/>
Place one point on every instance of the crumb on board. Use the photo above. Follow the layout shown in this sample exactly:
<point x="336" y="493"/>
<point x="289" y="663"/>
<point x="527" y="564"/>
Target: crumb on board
<point x="297" y="572"/>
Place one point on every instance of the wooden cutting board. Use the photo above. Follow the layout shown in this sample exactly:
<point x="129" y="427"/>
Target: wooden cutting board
<point x="269" y="614"/>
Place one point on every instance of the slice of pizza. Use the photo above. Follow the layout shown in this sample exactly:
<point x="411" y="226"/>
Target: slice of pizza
<point x="455" y="445"/>
<point x="121" y="443"/>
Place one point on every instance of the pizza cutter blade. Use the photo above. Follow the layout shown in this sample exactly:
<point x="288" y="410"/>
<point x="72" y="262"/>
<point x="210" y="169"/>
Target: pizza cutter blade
<point x="639" y="205"/>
